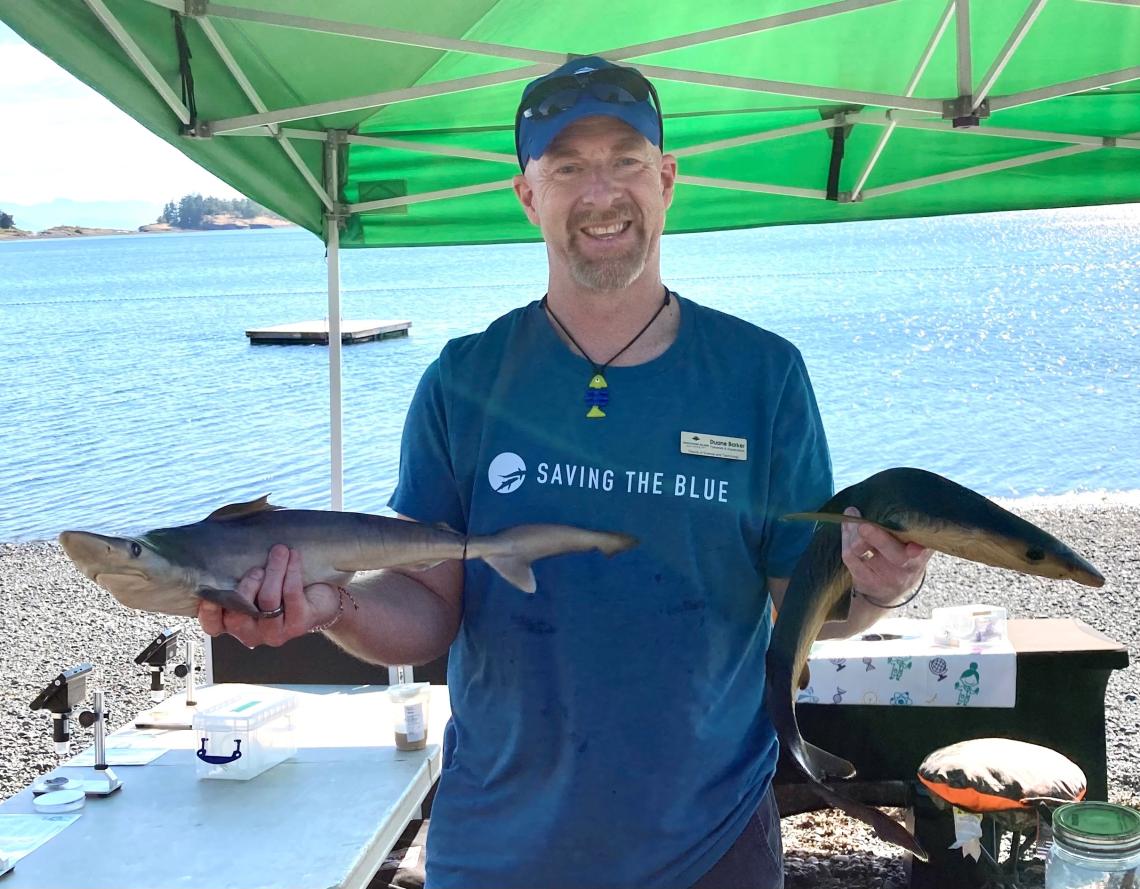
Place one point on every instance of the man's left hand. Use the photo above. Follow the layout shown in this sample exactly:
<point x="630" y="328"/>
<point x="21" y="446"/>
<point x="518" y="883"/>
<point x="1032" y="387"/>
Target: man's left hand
<point x="882" y="567"/>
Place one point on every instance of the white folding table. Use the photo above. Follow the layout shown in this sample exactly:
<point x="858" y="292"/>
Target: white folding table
<point x="326" y="817"/>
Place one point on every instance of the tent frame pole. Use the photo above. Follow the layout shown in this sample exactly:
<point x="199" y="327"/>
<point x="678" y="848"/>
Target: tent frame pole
<point x="757" y="187"/>
<point x="426" y="196"/>
<point x="964" y="61"/>
<point x="502" y="51"/>
<point x="1055" y="91"/>
<point x="431" y="148"/>
<point x="982" y="90"/>
<point x="136" y="55"/>
<point x="754" y="26"/>
<point x="953" y="175"/>
<point x="915" y="79"/>
<point x="375" y="100"/>
<point x="255" y="100"/>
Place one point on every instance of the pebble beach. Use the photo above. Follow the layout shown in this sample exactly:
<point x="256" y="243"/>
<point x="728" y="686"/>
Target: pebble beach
<point x="52" y="618"/>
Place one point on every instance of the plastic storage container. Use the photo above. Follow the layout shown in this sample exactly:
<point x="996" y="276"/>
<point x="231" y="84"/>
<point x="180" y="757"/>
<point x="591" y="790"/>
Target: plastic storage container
<point x="408" y="704"/>
<point x="1095" y="846"/>
<point x="968" y="625"/>
<point x="241" y="737"/>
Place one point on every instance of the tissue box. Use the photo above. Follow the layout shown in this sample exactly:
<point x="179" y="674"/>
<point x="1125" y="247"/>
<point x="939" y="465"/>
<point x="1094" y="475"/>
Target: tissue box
<point x="242" y="736"/>
<point x="968" y="625"/>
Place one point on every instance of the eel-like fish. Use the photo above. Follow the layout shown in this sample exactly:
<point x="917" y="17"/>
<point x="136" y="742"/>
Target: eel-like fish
<point x="914" y="505"/>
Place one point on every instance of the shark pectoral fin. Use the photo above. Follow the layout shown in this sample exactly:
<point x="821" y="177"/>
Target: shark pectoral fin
<point x="805" y="677"/>
<point x="514" y="570"/>
<point x="823" y="763"/>
<point x="228" y="599"/>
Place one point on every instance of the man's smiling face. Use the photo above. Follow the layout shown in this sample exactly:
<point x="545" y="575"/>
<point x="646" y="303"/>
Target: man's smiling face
<point x="599" y="193"/>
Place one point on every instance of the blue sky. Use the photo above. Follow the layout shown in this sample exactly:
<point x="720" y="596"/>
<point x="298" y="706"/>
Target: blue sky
<point x="64" y="140"/>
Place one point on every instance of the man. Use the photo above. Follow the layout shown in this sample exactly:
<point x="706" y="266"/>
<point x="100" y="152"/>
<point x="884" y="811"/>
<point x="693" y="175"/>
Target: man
<point x="610" y="729"/>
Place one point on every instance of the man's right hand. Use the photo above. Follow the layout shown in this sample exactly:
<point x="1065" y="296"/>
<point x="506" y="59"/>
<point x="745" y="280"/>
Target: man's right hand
<point x="280" y="582"/>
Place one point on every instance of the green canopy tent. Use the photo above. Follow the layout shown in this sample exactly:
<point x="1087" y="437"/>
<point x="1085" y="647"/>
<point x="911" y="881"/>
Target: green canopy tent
<point x="391" y="124"/>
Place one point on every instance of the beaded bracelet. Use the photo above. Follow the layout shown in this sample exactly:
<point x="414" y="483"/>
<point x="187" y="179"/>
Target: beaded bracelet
<point x="327" y="625"/>
<point x="878" y="604"/>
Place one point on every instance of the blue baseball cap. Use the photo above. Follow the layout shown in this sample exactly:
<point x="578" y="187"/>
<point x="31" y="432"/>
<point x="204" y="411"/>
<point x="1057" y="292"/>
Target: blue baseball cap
<point x="584" y="87"/>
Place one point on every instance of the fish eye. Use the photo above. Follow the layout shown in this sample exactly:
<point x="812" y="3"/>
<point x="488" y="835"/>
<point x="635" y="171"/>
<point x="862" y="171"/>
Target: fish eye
<point x="136" y="550"/>
<point x="1034" y="555"/>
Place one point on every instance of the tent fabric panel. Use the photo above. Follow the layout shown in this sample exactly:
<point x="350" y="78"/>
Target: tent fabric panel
<point x="1070" y="41"/>
<point x="873" y="50"/>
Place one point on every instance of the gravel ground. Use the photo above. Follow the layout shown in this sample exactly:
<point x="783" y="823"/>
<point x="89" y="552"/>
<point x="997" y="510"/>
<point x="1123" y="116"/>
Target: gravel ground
<point x="51" y="618"/>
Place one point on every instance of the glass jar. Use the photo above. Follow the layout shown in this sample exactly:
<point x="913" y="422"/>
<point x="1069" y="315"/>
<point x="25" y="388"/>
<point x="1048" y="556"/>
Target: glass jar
<point x="1095" y="846"/>
<point x="409" y="709"/>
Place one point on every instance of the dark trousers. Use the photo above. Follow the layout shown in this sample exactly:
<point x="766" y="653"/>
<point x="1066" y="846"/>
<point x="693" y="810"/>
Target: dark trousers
<point x="756" y="859"/>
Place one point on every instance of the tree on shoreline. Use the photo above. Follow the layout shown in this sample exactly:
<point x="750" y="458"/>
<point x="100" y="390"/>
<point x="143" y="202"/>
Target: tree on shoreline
<point x="190" y="209"/>
<point x="6" y="220"/>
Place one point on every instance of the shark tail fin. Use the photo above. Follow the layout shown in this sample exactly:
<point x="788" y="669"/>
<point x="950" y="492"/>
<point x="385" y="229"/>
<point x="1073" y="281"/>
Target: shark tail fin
<point x="885" y="827"/>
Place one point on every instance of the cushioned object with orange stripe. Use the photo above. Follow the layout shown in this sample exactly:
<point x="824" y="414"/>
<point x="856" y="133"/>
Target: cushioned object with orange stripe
<point x="997" y="774"/>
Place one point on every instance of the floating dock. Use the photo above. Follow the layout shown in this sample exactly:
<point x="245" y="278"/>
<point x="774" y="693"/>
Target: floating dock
<point x="309" y="332"/>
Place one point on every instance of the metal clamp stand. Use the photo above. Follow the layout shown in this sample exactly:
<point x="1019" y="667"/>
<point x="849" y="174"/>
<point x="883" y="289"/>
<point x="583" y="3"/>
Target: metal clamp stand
<point x="175" y="714"/>
<point x="61" y="696"/>
<point x="104" y="781"/>
<point x="187" y="670"/>
<point x="155" y="656"/>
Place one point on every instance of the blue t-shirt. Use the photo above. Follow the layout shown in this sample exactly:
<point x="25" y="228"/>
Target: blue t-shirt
<point x="610" y="729"/>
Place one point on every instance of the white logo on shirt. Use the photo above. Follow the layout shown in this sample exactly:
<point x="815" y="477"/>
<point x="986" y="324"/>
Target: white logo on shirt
<point x="506" y="473"/>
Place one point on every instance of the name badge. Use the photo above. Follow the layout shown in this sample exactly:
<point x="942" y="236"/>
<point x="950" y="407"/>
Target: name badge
<point x="704" y="445"/>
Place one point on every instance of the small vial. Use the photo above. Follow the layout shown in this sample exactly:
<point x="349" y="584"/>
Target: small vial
<point x="409" y="708"/>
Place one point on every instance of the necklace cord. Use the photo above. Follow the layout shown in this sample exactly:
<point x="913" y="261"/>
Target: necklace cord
<point x="600" y="368"/>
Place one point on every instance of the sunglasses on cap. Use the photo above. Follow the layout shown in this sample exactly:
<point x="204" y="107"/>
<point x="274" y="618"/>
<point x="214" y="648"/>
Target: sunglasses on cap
<point x="617" y="86"/>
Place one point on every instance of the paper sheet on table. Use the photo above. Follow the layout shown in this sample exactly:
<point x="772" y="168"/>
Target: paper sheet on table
<point x="126" y="747"/>
<point x="21" y="834"/>
<point x="910" y="671"/>
<point x="119" y="756"/>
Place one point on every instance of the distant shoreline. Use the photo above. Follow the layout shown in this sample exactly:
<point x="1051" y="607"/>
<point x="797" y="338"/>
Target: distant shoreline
<point x="215" y="223"/>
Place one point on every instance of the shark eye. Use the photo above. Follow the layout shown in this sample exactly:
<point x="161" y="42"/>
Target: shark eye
<point x="1035" y="555"/>
<point x="136" y="550"/>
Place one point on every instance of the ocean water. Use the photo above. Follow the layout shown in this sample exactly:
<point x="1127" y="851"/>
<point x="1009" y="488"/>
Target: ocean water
<point x="1001" y="350"/>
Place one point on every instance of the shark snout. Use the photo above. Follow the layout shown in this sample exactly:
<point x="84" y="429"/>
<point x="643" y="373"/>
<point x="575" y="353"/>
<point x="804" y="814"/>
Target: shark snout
<point x="91" y="552"/>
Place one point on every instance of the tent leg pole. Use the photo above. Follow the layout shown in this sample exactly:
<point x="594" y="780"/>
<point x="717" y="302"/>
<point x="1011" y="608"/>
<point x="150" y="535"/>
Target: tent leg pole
<point x="334" y="139"/>
<point x="336" y="455"/>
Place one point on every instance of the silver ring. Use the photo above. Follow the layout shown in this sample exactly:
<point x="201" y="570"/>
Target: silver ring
<point x="276" y="612"/>
<point x="868" y="555"/>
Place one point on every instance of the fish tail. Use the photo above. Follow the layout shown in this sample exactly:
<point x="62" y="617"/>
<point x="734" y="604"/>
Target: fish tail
<point x="510" y="552"/>
<point x="886" y="828"/>
<point x="815" y="762"/>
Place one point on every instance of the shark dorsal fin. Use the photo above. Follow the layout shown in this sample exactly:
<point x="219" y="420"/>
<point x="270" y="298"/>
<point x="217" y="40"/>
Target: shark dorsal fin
<point x="239" y="510"/>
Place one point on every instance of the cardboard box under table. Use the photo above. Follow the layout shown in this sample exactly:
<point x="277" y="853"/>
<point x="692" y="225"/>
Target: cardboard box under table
<point x="324" y="817"/>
